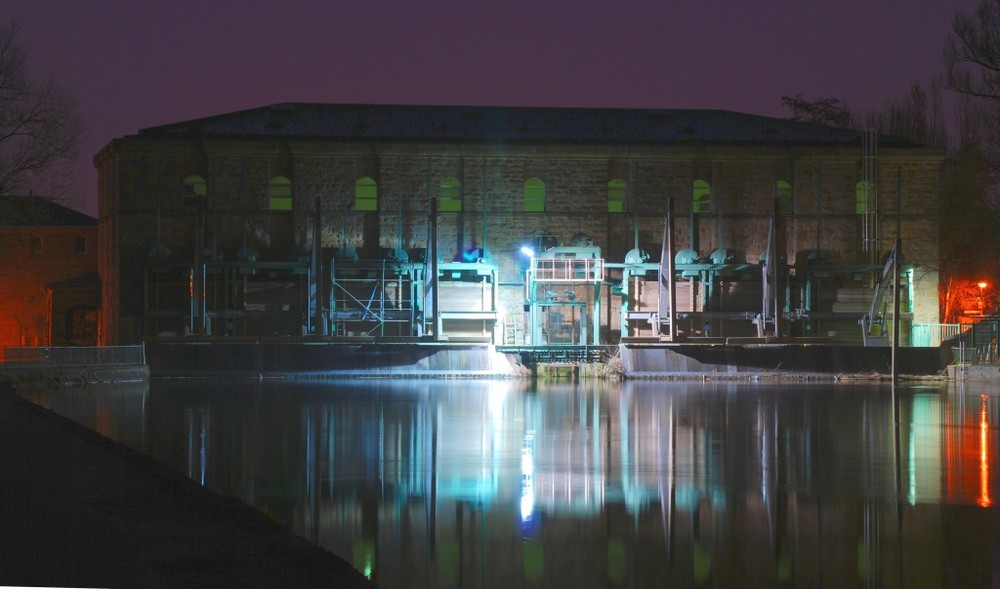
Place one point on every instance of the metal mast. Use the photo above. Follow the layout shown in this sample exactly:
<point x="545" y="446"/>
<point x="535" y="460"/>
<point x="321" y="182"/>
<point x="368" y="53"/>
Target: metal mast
<point x="869" y="183"/>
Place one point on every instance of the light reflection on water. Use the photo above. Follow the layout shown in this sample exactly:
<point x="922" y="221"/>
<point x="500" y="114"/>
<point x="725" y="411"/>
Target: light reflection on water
<point x="478" y="484"/>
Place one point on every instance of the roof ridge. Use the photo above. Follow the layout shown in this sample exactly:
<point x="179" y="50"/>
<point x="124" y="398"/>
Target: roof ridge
<point x="411" y="122"/>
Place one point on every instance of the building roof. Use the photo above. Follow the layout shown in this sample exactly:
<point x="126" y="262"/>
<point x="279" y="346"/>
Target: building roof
<point x="87" y="280"/>
<point x="361" y="122"/>
<point x="38" y="211"/>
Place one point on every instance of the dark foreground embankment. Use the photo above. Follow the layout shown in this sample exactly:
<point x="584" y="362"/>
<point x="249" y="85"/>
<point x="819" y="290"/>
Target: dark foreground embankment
<point x="80" y="510"/>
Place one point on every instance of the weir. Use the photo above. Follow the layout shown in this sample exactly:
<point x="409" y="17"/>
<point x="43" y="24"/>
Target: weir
<point x="311" y="359"/>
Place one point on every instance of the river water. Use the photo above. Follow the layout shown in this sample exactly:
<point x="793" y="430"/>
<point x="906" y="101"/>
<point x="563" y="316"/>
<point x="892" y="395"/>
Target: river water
<point x="497" y="484"/>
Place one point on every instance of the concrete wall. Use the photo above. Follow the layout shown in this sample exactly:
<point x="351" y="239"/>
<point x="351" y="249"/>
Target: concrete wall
<point x="689" y="361"/>
<point x="274" y="359"/>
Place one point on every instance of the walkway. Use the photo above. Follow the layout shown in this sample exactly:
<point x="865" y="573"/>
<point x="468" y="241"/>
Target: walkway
<point x="82" y="511"/>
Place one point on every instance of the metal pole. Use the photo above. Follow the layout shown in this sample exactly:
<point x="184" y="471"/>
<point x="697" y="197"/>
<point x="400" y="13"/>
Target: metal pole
<point x="895" y="308"/>
<point x="780" y="249"/>
<point x="768" y="280"/>
<point x="671" y="272"/>
<point x="666" y="287"/>
<point x="315" y="278"/>
<point x="197" y="273"/>
<point x="486" y="204"/>
<point x="431" y="274"/>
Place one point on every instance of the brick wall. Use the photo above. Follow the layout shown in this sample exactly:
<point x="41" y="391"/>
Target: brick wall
<point x="144" y="204"/>
<point x="31" y="259"/>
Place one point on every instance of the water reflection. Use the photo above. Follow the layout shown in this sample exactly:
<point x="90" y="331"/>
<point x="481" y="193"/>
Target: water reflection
<point x="494" y="484"/>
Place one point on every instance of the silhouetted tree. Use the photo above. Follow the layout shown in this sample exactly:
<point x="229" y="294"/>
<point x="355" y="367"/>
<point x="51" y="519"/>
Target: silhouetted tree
<point x="917" y="116"/>
<point x="972" y="59"/>
<point x="970" y="243"/>
<point x="821" y="111"/>
<point x="972" y="56"/>
<point x="40" y="129"/>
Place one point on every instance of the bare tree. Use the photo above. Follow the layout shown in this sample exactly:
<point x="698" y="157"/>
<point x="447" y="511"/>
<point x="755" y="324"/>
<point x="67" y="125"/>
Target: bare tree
<point x="917" y="116"/>
<point x="821" y="111"/>
<point x="972" y="61"/>
<point x="40" y="128"/>
<point x="972" y="56"/>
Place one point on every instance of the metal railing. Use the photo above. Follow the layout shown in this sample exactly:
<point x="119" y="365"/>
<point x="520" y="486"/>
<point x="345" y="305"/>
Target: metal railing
<point x="569" y="270"/>
<point x="76" y="355"/>
<point x="978" y="343"/>
<point x="932" y="335"/>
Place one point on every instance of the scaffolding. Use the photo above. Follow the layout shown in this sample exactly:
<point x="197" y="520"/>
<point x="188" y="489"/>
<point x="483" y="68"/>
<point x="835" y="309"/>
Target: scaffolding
<point x="375" y="298"/>
<point x="386" y="299"/>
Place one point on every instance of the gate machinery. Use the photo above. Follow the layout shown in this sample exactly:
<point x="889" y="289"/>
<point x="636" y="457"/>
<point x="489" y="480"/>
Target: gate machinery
<point x="563" y="296"/>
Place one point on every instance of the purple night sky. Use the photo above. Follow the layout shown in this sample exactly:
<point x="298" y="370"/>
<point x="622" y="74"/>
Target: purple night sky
<point x="135" y="64"/>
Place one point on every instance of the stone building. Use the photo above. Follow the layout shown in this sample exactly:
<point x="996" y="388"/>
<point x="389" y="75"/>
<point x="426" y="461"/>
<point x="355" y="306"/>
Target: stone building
<point x="49" y="287"/>
<point x="207" y="227"/>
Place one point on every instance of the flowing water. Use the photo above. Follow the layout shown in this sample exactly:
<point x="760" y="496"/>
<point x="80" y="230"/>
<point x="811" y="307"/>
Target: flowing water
<point x="498" y="484"/>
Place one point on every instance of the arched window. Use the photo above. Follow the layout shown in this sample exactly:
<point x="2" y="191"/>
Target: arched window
<point x="783" y="192"/>
<point x="365" y="195"/>
<point x="194" y="190"/>
<point x="861" y="197"/>
<point x="451" y="195"/>
<point x="534" y="195"/>
<point x="702" y="197"/>
<point x="617" y="195"/>
<point x="280" y="193"/>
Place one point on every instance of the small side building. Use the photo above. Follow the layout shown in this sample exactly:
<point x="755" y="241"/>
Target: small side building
<point x="50" y="293"/>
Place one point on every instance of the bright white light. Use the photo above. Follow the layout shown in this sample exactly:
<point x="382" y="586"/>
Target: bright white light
<point x="527" y="251"/>
<point x="527" y="463"/>
<point x="495" y="401"/>
<point x="527" y="504"/>
<point x="527" y="484"/>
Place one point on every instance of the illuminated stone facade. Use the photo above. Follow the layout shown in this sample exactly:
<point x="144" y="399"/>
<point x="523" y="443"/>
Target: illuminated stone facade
<point x="249" y="181"/>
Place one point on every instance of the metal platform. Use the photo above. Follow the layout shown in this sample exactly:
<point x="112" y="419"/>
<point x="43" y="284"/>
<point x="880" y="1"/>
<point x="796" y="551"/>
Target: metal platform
<point x="532" y="355"/>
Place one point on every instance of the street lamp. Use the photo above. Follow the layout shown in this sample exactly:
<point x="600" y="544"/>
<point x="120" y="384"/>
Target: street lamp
<point x="982" y="296"/>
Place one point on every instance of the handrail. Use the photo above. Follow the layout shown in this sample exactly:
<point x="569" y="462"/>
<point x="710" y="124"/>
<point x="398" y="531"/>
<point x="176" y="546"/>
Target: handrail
<point x="569" y="270"/>
<point x="76" y="355"/>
